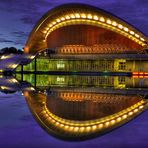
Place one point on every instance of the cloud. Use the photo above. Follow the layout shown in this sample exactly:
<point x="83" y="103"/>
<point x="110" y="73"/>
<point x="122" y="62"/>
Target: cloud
<point x="13" y="42"/>
<point x="3" y="40"/>
<point x="28" y="11"/>
<point x="19" y="42"/>
<point x="20" y="34"/>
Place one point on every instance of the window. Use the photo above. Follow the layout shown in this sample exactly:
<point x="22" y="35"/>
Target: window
<point x="122" y="66"/>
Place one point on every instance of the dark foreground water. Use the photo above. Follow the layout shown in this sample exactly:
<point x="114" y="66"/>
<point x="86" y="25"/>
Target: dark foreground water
<point x="18" y="128"/>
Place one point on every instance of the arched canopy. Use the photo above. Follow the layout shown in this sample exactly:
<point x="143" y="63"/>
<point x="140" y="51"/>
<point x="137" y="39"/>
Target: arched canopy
<point x="79" y="14"/>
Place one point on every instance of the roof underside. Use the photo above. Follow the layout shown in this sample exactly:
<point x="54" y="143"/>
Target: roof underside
<point x="73" y="14"/>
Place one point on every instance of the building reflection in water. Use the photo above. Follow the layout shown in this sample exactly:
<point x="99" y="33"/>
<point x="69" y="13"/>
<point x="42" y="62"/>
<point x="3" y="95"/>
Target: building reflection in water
<point x="77" y="112"/>
<point x="77" y="115"/>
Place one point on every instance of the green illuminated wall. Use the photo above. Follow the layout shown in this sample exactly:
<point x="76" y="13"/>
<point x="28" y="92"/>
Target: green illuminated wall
<point x="69" y="80"/>
<point x="45" y="64"/>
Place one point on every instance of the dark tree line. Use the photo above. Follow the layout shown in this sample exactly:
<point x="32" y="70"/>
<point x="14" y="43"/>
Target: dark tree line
<point x="8" y="50"/>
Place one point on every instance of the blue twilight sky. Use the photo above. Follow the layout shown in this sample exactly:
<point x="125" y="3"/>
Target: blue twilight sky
<point x="17" y="17"/>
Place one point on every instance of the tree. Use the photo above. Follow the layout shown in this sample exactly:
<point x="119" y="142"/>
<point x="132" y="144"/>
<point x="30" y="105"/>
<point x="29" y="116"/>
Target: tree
<point x="8" y="50"/>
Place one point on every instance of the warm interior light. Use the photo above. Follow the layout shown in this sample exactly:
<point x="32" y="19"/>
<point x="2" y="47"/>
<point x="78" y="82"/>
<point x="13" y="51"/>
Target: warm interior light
<point x="89" y="16"/>
<point x="108" y="21"/>
<point x="114" y="24"/>
<point x="120" y="26"/>
<point x="95" y="17"/>
<point x="132" y="32"/>
<point x="142" y="39"/>
<point x="58" y="20"/>
<point x="62" y="19"/>
<point x="126" y="29"/>
<point x="102" y="19"/>
<point x="77" y="15"/>
<point x="72" y="16"/>
<point x="83" y="15"/>
<point x="137" y="35"/>
<point x="67" y="17"/>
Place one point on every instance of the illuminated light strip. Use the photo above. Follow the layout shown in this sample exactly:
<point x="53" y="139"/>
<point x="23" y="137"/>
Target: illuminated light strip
<point x="135" y="76"/>
<point x="114" y="23"/>
<point x="93" y="125"/>
<point x="82" y="97"/>
<point x="132" y="32"/>
<point x="89" y="16"/>
<point x="140" y="74"/>
<point x="135" y="73"/>
<point x="89" y="128"/>
<point x="103" y="24"/>
<point x="96" y="23"/>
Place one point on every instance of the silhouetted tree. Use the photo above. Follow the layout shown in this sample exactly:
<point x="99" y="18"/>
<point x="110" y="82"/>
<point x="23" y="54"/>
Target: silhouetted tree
<point x="8" y="50"/>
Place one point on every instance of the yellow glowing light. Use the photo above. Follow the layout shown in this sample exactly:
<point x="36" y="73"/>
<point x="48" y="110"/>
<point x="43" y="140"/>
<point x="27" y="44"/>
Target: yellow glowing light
<point x="14" y="66"/>
<point x="83" y="15"/>
<point x="32" y="57"/>
<point x="57" y="123"/>
<point x="66" y="127"/>
<point x="3" y="87"/>
<point x="102" y="19"/>
<point x="140" y="107"/>
<point x="114" y="23"/>
<point x="96" y="17"/>
<point x="130" y="113"/>
<point x="67" y="17"/>
<point x="112" y="121"/>
<point x="82" y="129"/>
<point x="132" y="32"/>
<point x="89" y="16"/>
<point x="94" y="127"/>
<point x="100" y="125"/>
<point x="124" y="116"/>
<point x="62" y="19"/>
<point x="120" y="26"/>
<point x="50" y="25"/>
<point x="142" y="39"/>
<point x="88" y="128"/>
<point x="137" y="35"/>
<point x="14" y="80"/>
<point x="71" y="128"/>
<point x="107" y="123"/>
<point x="76" y="129"/>
<point x="4" y="57"/>
<point x="53" y="23"/>
<point x="72" y="16"/>
<point x="126" y="29"/>
<point x="135" y="110"/>
<point x="58" y="20"/>
<point x="108" y="21"/>
<point x="45" y="31"/>
<point x="119" y="119"/>
<point x="77" y="15"/>
<point x="61" y="125"/>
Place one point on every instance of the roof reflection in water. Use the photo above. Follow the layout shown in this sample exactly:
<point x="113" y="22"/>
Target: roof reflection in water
<point x="76" y="116"/>
<point x="77" y="113"/>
